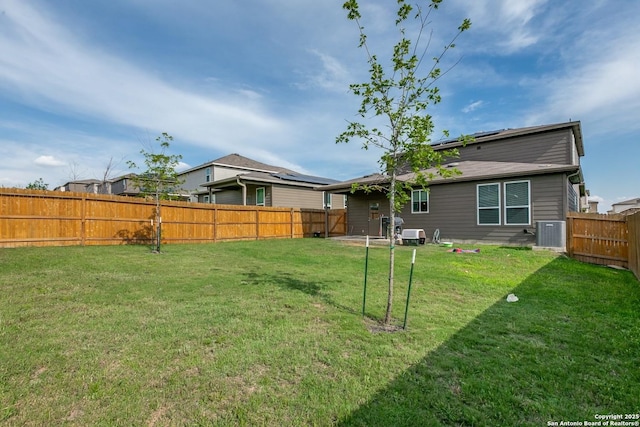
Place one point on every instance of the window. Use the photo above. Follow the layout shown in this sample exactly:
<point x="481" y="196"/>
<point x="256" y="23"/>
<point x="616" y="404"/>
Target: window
<point x="488" y="204"/>
<point x="205" y="199"/>
<point x="207" y="175"/>
<point x="327" y="199"/>
<point x="419" y="201"/>
<point x="516" y="203"/>
<point x="345" y="201"/>
<point x="260" y="196"/>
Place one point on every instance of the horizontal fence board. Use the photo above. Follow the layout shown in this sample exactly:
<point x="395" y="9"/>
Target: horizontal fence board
<point x="598" y="238"/>
<point x="47" y="218"/>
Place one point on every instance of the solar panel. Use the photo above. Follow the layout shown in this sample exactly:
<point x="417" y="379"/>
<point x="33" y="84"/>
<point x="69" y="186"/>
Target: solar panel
<point x="488" y="133"/>
<point x="304" y="178"/>
<point x="475" y="135"/>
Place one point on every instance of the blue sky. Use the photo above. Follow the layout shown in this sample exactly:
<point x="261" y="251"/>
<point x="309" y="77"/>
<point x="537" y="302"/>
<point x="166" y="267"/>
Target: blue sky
<point x="82" y="82"/>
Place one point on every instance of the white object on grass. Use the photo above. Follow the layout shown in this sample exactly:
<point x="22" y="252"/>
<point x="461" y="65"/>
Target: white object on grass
<point x="512" y="298"/>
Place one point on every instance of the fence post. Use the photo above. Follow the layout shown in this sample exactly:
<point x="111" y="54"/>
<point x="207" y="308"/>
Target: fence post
<point x="292" y="225"/>
<point x="215" y="224"/>
<point x="83" y="220"/>
<point x="569" y="236"/>
<point x="257" y="223"/>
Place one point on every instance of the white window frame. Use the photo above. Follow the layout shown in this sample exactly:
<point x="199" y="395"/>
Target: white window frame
<point x="264" y="196"/>
<point x="207" y="175"/>
<point x="528" y="205"/>
<point x="205" y="198"/>
<point x="419" y="191"/>
<point x="326" y="201"/>
<point x="497" y="207"/>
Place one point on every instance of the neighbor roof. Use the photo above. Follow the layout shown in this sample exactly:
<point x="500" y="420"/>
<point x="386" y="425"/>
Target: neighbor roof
<point x="291" y="178"/>
<point x="628" y="202"/>
<point x="240" y="162"/>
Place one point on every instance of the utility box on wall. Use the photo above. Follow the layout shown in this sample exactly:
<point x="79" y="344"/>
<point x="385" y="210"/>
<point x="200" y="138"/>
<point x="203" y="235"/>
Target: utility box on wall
<point x="551" y="234"/>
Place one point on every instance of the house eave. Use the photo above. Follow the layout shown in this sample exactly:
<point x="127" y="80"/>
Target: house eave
<point x="233" y="182"/>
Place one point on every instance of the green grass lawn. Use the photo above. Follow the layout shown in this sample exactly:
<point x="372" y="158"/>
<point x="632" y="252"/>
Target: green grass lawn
<point x="272" y="333"/>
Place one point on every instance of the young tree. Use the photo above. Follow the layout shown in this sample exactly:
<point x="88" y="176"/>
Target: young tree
<point x="159" y="180"/>
<point x="399" y="96"/>
<point x="38" y="184"/>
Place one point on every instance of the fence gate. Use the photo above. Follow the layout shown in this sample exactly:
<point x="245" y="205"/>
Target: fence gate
<point x="598" y="238"/>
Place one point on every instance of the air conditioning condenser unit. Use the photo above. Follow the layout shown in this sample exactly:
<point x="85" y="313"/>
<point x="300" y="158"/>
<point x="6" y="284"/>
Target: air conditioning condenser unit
<point x="551" y="234"/>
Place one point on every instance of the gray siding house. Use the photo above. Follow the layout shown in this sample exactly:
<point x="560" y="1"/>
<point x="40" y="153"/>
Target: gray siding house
<point x="511" y="179"/>
<point x="626" y="207"/>
<point x="238" y="180"/>
<point x="122" y="186"/>
<point x="81" y="186"/>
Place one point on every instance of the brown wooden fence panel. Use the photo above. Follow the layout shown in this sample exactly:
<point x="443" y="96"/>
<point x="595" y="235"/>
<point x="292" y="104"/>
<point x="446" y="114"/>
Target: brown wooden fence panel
<point x="29" y="217"/>
<point x="314" y="221"/>
<point x="187" y="223"/>
<point x="46" y="218"/>
<point x="598" y="239"/>
<point x="114" y="221"/>
<point x="337" y="222"/>
<point x="633" y="223"/>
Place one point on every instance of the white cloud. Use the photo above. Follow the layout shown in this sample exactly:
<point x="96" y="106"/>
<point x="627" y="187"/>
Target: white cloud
<point x="595" y="198"/>
<point x="48" y="161"/>
<point x="507" y="22"/>
<point x="182" y="166"/>
<point x="599" y="83"/>
<point x="83" y="80"/>
<point x="473" y="106"/>
<point x="331" y="75"/>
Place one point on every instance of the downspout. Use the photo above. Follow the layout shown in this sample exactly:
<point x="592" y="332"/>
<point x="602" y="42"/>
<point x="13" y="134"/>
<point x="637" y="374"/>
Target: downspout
<point x="244" y="191"/>
<point x="579" y="184"/>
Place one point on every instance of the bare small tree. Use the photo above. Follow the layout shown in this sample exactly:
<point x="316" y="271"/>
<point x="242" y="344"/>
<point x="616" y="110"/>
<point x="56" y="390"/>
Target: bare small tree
<point x="107" y="174"/>
<point x="75" y="171"/>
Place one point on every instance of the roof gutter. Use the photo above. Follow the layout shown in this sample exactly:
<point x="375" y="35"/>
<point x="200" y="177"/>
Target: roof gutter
<point x="244" y="191"/>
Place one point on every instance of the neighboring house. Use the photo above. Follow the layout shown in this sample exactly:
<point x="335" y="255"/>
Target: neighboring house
<point x="121" y="186"/>
<point x="238" y="180"/>
<point x="81" y="186"/>
<point x="511" y="179"/>
<point x="626" y="207"/>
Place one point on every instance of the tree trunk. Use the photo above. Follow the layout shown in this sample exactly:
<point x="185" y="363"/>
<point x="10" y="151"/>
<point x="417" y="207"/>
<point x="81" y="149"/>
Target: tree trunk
<point x="392" y="249"/>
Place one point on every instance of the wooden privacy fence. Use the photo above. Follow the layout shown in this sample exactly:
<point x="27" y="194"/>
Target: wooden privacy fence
<point x="46" y="218"/>
<point x="633" y="223"/>
<point x="605" y="239"/>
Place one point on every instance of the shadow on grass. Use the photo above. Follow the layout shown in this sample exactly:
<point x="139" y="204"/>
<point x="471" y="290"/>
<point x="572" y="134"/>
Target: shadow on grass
<point x="292" y="282"/>
<point x="559" y="353"/>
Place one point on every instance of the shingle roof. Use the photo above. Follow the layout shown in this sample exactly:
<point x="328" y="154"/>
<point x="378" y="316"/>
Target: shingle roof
<point x="476" y="170"/>
<point x="628" y="202"/>
<point x="471" y="171"/>
<point x="293" y="179"/>
<point x="235" y="159"/>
